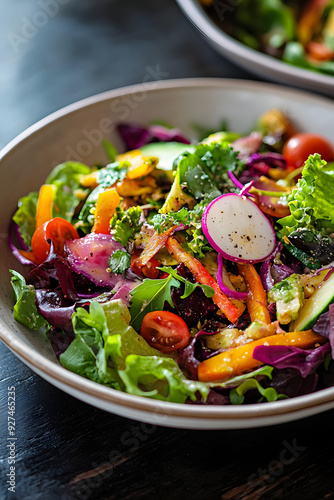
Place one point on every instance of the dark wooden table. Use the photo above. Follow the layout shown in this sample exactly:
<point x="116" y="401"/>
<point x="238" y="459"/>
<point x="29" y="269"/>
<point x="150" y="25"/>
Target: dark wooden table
<point x="54" y="52"/>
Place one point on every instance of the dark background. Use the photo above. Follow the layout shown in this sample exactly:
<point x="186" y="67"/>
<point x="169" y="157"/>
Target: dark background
<point x="67" y="449"/>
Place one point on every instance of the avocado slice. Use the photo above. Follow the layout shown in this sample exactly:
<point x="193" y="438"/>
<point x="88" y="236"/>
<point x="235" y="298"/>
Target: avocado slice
<point x="317" y="304"/>
<point x="166" y="152"/>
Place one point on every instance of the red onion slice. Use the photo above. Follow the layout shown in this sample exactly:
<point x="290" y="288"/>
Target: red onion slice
<point x="90" y="256"/>
<point x="233" y="294"/>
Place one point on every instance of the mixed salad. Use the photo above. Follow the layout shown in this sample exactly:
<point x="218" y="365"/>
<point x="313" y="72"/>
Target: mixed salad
<point x="298" y="32"/>
<point x="187" y="272"/>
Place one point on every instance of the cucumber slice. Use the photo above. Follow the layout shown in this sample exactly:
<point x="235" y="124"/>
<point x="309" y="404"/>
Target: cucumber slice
<point x="166" y="152"/>
<point x="315" y="305"/>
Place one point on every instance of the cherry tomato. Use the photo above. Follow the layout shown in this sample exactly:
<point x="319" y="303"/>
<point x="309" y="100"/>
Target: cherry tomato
<point x="58" y="230"/>
<point x="299" y="147"/>
<point x="150" y="270"/>
<point x="165" y="331"/>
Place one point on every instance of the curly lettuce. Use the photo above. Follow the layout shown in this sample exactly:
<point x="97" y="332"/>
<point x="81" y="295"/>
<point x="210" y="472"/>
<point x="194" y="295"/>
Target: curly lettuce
<point x="311" y="203"/>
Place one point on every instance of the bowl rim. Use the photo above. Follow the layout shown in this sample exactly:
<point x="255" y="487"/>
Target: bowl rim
<point x="55" y="371"/>
<point x="231" y="47"/>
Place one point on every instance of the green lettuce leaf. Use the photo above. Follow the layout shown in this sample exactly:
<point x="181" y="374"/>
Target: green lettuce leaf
<point x="69" y="192"/>
<point x="92" y="354"/>
<point x="247" y="382"/>
<point x="118" y="322"/>
<point x="159" y="378"/>
<point x="189" y="286"/>
<point x="103" y="339"/>
<point x="150" y="295"/>
<point x="25" y="309"/>
<point x="25" y="216"/>
<point x="311" y="203"/>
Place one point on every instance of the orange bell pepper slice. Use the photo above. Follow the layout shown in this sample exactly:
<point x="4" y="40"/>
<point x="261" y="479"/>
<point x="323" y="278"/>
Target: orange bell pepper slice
<point x="202" y="276"/>
<point x="240" y="359"/>
<point x="257" y="297"/>
<point x="106" y="205"/>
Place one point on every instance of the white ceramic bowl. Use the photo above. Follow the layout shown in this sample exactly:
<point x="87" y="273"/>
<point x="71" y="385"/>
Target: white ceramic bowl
<point x="75" y="132"/>
<point x="256" y="62"/>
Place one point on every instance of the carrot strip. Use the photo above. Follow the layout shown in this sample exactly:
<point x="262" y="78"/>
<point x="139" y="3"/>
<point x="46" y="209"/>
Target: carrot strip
<point x="106" y="205"/>
<point x="202" y="276"/>
<point x="257" y="298"/>
<point x="44" y="204"/>
<point x="156" y="243"/>
<point x="240" y="359"/>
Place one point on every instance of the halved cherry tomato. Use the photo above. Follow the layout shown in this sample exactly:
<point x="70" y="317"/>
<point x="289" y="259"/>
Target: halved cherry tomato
<point x="149" y="270"/>
<point x="300" y="146"/>
<point x="58" y="230"/>
<point x="165" y="331"/>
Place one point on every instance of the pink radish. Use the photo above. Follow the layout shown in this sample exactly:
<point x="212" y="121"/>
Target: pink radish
<point x="236" y="227"/>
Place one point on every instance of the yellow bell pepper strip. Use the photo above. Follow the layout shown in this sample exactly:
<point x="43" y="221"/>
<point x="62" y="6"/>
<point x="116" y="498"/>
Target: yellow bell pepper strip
<point x="202" y="276"/>
<point x="240" y="359"/>
<point x="136" y="187"/>
<point x="140" y="165"/>
<point x="106" y="205"/>
<point x="256" y="301"/>
<point x="156" y="243"/>
<point x="90" y="180"/>
<point x="44" y="204"/>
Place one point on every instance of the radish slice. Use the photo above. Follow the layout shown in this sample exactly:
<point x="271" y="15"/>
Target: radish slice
<point x="237" y="229"/>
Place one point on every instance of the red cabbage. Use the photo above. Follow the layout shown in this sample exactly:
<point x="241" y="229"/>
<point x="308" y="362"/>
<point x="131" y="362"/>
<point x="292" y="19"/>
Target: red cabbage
<point x="55" y="308"/>
<point x="197" y="307"/>
<point x="190" y="357"/>
<point x="272" y="273"/>
<point x="13" y="230"/>
<point x="280" y="271"/>
<point x="136" y="136"/>
<point x="90" y="256"/>
<point x="263" y="161"/>
<point x="303" y="360"/>
<point x="288" y="381"/>
<point x="60" y="340"/>
<point x="165" y="134"/>
<point x="216" y="396"/>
